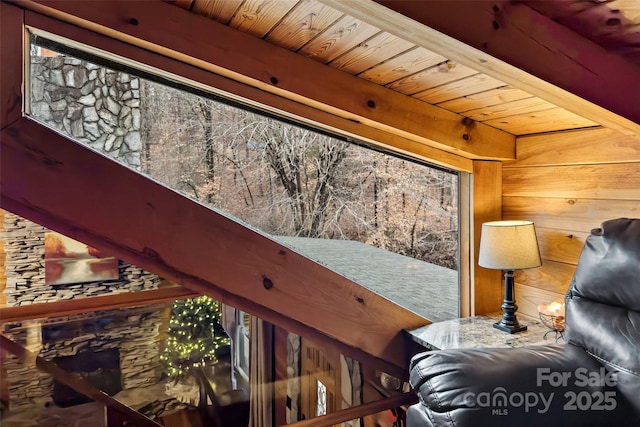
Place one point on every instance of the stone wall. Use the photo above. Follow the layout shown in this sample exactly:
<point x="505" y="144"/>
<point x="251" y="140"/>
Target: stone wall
<point x="134" y="333"/>
<point x="294" y="346"/>
<point x="92" y="104"/>
<point x="98" y="107"/>
<point x="24" y="265"/>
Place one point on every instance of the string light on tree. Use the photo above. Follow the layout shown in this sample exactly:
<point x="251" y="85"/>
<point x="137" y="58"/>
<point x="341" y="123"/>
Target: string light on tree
<point x="195" y="334"/>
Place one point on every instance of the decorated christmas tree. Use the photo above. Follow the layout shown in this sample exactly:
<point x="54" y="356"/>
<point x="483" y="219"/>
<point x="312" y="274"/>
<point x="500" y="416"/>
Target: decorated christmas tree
<point x="195" y="335"/>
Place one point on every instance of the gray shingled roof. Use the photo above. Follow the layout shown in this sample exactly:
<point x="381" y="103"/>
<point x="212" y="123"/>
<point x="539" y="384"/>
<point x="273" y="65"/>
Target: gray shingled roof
<point x="426" y="289"/>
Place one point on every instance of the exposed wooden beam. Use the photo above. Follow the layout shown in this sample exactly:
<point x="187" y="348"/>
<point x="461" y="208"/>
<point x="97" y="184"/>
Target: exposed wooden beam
<point x="11" y="31"/>
<point x="515" y="44"/>
<point x="292" y="109"/>
<point x="71" y="189"/>
<point x="165" y="29"/>
<point x="85" y="305"/>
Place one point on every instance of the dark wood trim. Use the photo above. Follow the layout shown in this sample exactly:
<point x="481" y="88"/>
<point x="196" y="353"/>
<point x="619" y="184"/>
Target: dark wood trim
<point x="280" y="356"/>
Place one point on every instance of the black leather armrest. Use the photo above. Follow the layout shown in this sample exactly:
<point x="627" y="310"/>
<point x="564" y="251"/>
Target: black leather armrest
<point x="519" y="387"/>
<point x="417" y="416"/>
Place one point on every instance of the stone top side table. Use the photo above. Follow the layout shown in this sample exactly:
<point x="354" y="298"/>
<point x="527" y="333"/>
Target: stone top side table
<point x="478" y="331"/>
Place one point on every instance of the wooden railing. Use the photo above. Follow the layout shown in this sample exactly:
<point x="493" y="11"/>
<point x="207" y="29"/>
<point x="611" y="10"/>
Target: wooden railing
<point x="359" y="411"/>
<point x="89" y="304"/>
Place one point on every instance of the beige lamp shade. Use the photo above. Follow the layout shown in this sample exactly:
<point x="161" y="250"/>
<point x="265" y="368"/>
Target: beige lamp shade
<point x="509" y="245"/>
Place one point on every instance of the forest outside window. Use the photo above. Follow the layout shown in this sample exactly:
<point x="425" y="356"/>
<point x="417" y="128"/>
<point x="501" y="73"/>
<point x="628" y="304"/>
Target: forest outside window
<point x="320" y="194"/>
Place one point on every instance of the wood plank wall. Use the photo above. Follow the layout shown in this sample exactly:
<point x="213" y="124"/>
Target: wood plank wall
<point x="567" y="183"/>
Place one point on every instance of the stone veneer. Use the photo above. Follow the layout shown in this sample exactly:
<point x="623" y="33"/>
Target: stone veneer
<point x="24" y="265"/>
<point x="294" y="385"/>
<point x="135" y="334"/>
<point x="93" y="104"/>
<point x="98" y="107"/>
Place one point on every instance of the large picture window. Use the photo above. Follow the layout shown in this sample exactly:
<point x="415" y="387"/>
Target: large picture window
<point x="319" y="193"/>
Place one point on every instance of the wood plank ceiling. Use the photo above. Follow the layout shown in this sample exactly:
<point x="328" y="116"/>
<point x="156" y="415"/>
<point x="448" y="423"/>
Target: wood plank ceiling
<point x="318" y="31"/>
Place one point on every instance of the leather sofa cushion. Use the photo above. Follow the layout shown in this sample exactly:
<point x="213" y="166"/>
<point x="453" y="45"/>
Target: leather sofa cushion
<point x="520" y="387"/>
<point x="609" y="265"/>
<point x="612" y="336"/>
<point x="603" y="302"/>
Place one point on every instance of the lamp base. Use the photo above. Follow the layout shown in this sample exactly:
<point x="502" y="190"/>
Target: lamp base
<point x="512" y="329"/>
<point x="509" y="322"/>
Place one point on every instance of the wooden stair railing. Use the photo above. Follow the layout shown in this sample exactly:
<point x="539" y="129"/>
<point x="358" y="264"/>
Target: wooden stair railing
<point x="124" y="414"/>
<point x="90" y="304"/>
<point x="359" y="411"/>
<point x="228" y="409"/>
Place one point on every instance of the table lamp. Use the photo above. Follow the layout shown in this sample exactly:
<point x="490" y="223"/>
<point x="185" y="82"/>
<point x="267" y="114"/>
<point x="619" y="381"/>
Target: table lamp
<point x="509" y="246"/>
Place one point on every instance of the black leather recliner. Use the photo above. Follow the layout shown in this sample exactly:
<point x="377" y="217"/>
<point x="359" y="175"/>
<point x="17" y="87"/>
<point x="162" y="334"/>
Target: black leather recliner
<point x="593" y="380"/>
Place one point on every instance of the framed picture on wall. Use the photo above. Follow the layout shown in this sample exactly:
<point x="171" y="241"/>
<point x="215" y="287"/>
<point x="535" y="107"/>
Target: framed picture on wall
<point x="68" y="261"/>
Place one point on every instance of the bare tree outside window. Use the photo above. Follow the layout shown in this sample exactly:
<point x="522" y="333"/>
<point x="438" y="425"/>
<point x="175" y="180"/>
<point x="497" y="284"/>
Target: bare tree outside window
<point x="283" y="178"/>
<point x="292" y="181"/>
